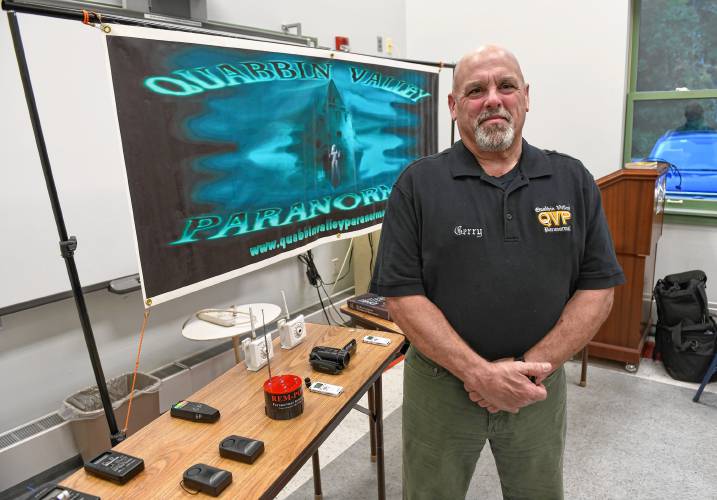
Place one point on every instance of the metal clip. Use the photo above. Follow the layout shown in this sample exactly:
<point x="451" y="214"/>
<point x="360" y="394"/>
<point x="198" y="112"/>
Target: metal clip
<point x="68" y="247"/>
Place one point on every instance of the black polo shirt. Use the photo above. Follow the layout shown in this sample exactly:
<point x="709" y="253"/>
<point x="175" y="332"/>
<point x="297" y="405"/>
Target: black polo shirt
<point x="501" y="263"/>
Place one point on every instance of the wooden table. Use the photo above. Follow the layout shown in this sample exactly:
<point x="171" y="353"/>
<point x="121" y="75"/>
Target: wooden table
<point x="169" y="446"/>
<point x="375" y="323"/>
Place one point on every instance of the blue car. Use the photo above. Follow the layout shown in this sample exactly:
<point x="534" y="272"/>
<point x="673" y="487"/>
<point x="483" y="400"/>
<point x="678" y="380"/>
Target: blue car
<point x="694" y="153"/>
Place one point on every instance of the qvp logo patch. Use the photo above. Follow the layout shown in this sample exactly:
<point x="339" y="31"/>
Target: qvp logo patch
<point x="555" y="219"/>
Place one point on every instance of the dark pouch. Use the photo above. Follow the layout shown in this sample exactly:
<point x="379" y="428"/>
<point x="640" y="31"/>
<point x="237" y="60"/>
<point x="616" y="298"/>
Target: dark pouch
<point x="682" y="297"/>
<point x="687" y="349"/>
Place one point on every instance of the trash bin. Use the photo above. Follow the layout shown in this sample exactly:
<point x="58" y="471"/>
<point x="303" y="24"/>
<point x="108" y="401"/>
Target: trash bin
<point x="87" y="417"/>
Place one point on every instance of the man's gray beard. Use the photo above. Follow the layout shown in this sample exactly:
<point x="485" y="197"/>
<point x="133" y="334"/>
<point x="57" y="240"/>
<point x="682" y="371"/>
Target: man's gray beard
<point x="494" y="138"/>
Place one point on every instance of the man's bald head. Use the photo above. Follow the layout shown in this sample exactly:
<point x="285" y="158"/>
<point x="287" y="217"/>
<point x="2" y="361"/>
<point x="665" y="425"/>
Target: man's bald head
<point x="481" y="55"/>
<point x="489" y="100"/>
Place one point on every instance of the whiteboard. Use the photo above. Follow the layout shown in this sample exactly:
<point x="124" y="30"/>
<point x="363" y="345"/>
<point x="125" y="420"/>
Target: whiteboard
<point x="70" y="81"/>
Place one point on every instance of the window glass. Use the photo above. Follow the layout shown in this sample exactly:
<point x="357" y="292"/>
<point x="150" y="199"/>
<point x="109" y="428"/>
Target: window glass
<point x="678" y="45"/>
<point x="681" y="132"/>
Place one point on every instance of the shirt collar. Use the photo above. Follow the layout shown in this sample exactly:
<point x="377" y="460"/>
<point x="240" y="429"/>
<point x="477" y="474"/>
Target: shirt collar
<point x="533" y="162"/>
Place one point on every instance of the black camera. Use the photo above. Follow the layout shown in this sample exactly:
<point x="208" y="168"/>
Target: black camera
<point x="330" y="359"/>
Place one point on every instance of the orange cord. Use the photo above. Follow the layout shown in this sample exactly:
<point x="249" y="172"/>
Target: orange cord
<point x="136" y="367"/>
<point x="87" y="15"/>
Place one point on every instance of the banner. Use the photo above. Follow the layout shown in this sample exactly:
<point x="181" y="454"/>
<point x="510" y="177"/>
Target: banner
<point x="241" y="153"/>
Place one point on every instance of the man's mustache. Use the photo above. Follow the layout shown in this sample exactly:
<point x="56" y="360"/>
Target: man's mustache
<point x="492" y="114"/>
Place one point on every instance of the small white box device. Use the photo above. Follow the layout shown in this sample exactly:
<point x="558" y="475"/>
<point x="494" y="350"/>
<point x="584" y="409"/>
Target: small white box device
<point x="257" y="351"/>
<point x="324" y="388"/>
<point x="292" y="332"/>
<point x="373" y="339"/>
<point x="218" y="317"/>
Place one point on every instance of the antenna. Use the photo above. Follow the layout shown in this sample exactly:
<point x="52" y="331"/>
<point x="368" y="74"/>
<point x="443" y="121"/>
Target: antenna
<point x="251" y="321"/>
<point x="286" y="308"/>
<point x="266" y="344"/>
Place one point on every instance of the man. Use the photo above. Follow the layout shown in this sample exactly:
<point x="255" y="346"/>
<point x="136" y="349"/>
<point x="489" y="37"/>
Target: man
<point x="498" y="265"/>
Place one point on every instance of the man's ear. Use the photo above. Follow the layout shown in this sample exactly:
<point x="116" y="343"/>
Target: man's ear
<point x="452" y="106"/>
<point x="527" y="97"/>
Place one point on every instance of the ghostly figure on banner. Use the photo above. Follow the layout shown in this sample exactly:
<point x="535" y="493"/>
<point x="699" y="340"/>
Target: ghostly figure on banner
<point x="334" y="156"/>
<point x="336" y="141"/>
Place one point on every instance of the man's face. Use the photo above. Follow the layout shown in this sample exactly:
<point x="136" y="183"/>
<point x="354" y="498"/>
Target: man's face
<point x="489" y="100"/>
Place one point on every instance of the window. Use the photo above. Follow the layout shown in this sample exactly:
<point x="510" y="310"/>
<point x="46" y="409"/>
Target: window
<point x="672" y="100"/>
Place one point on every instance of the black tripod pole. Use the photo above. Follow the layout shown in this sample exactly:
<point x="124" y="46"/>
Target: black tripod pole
<point x="67" y="244"/>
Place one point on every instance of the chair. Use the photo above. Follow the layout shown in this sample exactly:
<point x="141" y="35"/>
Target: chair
<point x="710" y="371"/>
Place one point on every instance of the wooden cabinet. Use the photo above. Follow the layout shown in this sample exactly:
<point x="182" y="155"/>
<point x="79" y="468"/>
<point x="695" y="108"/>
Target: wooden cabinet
<point x="633" y="200"/>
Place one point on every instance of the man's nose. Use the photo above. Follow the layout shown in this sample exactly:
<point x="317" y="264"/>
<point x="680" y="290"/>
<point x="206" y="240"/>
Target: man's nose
<point x="493" y="98"/>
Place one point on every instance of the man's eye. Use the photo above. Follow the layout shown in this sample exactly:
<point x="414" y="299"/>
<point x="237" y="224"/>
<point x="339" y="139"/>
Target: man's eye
<point x="507" y="87"/>
<point x="475" y="91"/>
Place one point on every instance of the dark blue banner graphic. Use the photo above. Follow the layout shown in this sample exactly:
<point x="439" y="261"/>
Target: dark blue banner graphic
<point x="235" y="156"/>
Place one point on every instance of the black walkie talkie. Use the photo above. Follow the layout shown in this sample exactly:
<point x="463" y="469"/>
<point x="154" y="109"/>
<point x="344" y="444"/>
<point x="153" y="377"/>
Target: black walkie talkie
<point x="207" y="479"/>
<point x="196" y="412"/>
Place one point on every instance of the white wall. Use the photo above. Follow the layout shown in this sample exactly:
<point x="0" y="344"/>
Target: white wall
<point x="362" y="21"/>
<point x="573" y="54"/>
<point x="684" y="247"/>
<point x="43" y="357"/>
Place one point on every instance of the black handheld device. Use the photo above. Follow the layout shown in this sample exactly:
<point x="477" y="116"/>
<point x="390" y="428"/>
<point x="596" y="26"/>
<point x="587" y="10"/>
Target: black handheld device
<point x="52" y="491"/>
<point x="196" y="412"/>
<point x="330" y="359"/>
<point x="239" y="448"/>
<point x="207" y="479"/>
<point x="114" y="466"/>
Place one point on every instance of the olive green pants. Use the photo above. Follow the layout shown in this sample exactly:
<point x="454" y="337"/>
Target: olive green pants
<point x="444" y="433"/>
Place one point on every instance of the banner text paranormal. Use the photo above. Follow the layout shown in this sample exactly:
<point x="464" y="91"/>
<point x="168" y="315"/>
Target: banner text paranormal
<point x="217" y="226"/>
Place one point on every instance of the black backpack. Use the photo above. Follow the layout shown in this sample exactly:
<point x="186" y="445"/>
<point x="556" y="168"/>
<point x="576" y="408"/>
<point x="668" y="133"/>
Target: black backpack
<point x="686" y="335"/>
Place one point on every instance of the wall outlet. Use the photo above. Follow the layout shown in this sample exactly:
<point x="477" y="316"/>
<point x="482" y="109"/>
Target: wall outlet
<point x="379" y="44"/>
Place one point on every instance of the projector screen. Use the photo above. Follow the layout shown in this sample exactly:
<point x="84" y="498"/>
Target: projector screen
<point x="241" y="153"/>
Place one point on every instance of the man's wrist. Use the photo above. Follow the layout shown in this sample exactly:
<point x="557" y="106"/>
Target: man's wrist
<point x="479" y="369"/>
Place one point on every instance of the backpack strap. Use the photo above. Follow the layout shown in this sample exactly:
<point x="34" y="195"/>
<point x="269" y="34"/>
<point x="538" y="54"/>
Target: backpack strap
<point x="703" y="295"/>
<point x="686" y="276"/>
<point x="676" y="332"/>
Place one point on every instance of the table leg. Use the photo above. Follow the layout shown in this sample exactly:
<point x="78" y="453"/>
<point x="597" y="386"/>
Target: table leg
<point x="235" y="343"/>
<point x="584" y="370"/>
<point x="372" y="422"/>
<point x="380" y="466"/>
<point x="317" y="476"/>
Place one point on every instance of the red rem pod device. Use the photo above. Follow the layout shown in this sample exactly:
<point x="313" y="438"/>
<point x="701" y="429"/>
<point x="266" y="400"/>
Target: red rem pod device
<point x="283" y="394"/>
<point x="283" y="397"/>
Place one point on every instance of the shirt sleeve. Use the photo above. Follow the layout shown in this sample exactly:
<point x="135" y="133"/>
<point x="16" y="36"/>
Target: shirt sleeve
<point x="599" y="267"/>
<point x="398" y="263"/>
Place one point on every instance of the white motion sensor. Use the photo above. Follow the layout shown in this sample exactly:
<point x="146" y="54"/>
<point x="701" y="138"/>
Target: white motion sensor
<point x="257" y="352"/>
<point x="292" y="332"/>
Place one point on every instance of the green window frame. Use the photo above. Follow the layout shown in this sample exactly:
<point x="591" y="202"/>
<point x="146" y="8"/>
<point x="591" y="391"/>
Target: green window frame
<point x="687" y="211"/>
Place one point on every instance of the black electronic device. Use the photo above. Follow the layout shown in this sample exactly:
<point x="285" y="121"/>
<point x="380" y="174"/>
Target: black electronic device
<point x="53" y="491"/>
<point x="207" y="479"/>
<point x="196" y="412"/>
<point x="330" y="359"/>
<point x="116" y="467"/>
<point x="240" y="448"/>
